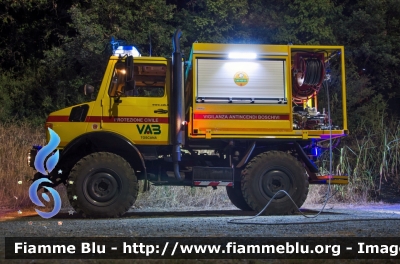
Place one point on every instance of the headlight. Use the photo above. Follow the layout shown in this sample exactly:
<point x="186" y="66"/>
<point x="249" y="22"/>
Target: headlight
<point x="32" y="155"/>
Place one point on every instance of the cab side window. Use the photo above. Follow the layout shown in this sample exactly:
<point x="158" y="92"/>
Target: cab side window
<point x="149" y="80"/>
<point x="147" y="91"/>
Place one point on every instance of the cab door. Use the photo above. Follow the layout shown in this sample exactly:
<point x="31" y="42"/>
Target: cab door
<point x="141" y="114"/>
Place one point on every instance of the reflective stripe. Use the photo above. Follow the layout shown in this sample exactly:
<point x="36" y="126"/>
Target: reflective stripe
<point x="212" y="183"/>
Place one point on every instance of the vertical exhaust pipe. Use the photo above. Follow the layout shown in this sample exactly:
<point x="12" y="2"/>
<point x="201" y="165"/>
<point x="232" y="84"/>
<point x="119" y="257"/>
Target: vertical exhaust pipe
<point x="177" y="102"/>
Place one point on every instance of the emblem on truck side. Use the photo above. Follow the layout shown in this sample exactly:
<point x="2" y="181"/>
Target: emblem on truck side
<point x="241" y="78"/>
<point x="149" y="129"/>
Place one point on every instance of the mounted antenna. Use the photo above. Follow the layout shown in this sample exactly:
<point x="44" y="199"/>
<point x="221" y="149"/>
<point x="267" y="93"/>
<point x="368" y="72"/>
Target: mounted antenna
<point x="150" y="41"/>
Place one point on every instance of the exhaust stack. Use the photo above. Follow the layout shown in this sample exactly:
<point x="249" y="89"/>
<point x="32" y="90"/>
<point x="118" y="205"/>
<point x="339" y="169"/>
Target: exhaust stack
<point x="177" y="102"/>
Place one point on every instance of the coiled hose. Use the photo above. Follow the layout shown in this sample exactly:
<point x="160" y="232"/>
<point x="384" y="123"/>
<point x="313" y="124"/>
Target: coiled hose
<point x="312" y="76"/>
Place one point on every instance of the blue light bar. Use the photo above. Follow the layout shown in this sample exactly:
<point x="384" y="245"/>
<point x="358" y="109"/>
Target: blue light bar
<point x="127" y="50"/>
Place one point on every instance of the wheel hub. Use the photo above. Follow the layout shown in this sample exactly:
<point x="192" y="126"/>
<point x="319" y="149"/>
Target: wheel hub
<point x="274" y="181"/>
<point x="102" y="187"/>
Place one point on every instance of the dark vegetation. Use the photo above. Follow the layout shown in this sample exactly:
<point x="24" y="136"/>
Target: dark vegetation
<point x="50" y="49"/>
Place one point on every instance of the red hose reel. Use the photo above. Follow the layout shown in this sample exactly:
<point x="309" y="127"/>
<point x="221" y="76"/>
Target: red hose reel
<point x="308" y="73"/>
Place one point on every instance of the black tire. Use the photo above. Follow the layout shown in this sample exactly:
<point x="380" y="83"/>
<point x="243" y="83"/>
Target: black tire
<point x="236" y="197"/>
<point x="102" y="184"/>
<point x="269" y="172"/>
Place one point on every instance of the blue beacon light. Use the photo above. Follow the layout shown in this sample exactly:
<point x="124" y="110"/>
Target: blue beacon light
<point x="127" y="50"/>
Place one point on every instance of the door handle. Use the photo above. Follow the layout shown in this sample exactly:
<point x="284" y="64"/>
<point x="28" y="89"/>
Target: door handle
<point x="160" y="111"/>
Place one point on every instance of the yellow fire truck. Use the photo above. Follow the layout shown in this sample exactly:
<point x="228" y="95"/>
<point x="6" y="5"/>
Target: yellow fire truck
<point x="239" y="116"/>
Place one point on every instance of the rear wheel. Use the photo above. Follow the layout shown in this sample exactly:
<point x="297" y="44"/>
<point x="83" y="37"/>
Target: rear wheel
<point x="270" y="172"/>
<point x="236" y="197"/>
<point x="102" y="184"/>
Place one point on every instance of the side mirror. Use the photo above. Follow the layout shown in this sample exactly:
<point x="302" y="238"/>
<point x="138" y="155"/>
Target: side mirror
<point x="130" y="86"/>
<point x="129" y="69"/>
<point x="88" y="89"/>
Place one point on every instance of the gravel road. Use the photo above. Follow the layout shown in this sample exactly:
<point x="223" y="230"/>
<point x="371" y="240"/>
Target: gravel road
<point x="163" y="223"/>
<point x="210" y="223"/>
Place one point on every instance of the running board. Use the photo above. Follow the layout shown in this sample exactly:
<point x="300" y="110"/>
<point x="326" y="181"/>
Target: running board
<point x="332" y="179"/>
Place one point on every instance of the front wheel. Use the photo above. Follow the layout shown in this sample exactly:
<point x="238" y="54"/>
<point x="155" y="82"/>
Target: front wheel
<point x="102" y="184"/>
<point x="270" y="172"/>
